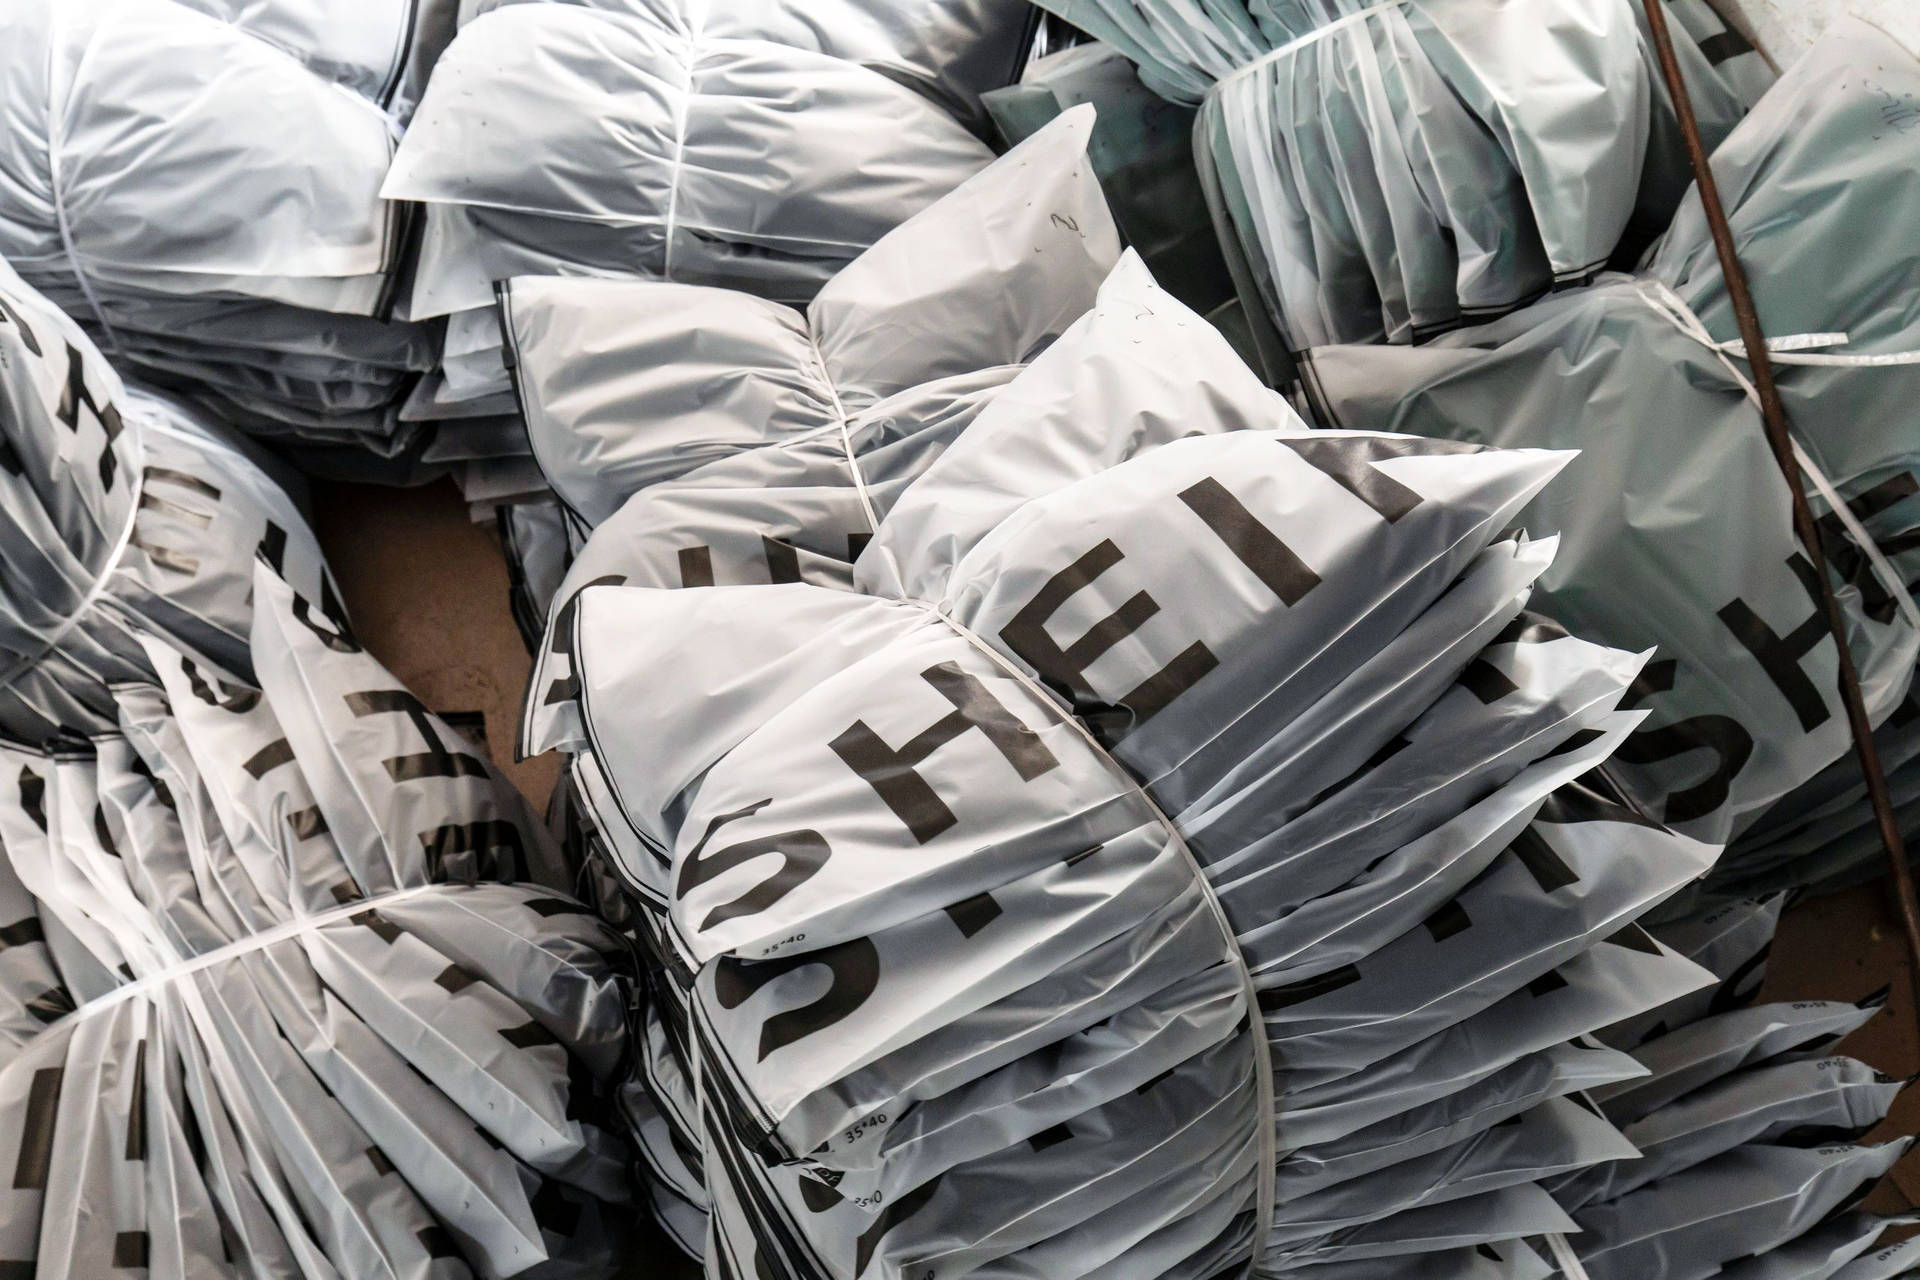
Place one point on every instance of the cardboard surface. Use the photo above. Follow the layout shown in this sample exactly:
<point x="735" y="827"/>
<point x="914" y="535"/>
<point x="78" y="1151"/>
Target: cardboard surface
<point x="426" y="591"/>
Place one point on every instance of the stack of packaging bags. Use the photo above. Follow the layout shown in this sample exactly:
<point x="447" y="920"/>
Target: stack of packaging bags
<point x="1386" y="171"/>
<point x="222" y="193"/>
<point x="284" y="988"/>
<point x="198" y="183"/>
<point x="1746" y="1124"/>
<point x="1674" y="519"/>
<point x="1075" y="820"/>
<point x="759" y="146"/>
<point x="895" y="355"/>
<point x="1263" y="724"/>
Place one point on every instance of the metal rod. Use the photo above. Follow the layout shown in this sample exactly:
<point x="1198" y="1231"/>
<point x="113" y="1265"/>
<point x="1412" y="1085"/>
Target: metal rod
<point x="1773" y="414"/>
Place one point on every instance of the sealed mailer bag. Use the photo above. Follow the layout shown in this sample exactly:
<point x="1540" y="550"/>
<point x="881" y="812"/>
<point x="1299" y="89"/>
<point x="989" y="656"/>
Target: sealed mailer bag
<point x="1555" y="1135"/>
<point x="1505" y="1260"/>
<point x="1642" y="375"/>
<point x="951" y="880"/>
<point x="1755" y="1198"/>
<point x="1713" y="1047"/>
<point x="1807" y="1099"/>
<point x="787" y="462"/>
<point x="1898" y="1259"/>
<point x="1387" y="171"/>
<point x="1828" y="1250"/>
<point x="197" y="182"/>
<point x="1731" y="939"/>
<point x="1533" y="1030"/>
<point x="629" y="384"/>
<point x="950" y="51"/>
<point x="1568" y="1068"/>
<point x="123" y="510"/>
<point x="313" y="1014"/>
<point x="661" y="151"/>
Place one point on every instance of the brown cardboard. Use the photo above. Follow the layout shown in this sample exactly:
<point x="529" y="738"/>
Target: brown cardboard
<point x="426" y="591"/>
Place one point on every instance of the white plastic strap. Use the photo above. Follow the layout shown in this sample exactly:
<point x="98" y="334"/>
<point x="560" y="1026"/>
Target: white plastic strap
<point x="87" y="601"/>
<point x="682" y="110"/>
<point x="1565" y="1258"/>
<point x="252" y="942"/>
<point x="1669" y="304"/>
<point x="55" y="139"/>
<point x="1314" y="36"/>
<point x="846" y="436"/>
<point x="1257" y="1031"/>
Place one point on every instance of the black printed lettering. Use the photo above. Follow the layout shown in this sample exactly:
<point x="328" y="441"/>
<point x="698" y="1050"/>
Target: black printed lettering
<point x="892" y="772"/>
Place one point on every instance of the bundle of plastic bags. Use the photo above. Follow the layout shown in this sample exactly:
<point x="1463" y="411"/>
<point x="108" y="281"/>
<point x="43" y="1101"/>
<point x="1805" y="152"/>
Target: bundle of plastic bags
<point x="121" y="512"/>
<point x="197" y="182"/>
<point x="1745" y="1126"/>
<point x="1262" y="724"/>
<point x="897" y="354"/>
<point x="1674" y="520"/>
<point x="283" y="985"/>
<point x="275" y="1038"/>
<point x="665" y="149"/>
<point x="1388" y="171"/>
<point x="952" y="52"/>
<point x="1747" y="1167"/>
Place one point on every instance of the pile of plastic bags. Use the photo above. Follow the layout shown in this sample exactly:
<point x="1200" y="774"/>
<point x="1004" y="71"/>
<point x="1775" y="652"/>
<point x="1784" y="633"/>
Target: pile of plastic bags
<point x="1745" y="1125"/>
<point x="198" y="182"/>
<point x="1068" y="818"/>
<point x="283" y="984"/>
<point x="1384" y="172"/>
<point x="1674" y="518"/>
<point x="667" y="149"/>
<point x="896" y="354"/>
<point x="1262" y="724"/>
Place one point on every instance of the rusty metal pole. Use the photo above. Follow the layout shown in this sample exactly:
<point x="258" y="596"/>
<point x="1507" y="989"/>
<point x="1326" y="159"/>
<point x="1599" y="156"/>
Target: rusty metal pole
<point x="1773" y="415"/>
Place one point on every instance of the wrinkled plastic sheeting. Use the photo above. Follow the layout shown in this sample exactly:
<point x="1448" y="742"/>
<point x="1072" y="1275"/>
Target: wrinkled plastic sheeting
<point x="1506" y="148"/>
<point x="1038" y="995"/>
<point x="1746" y="732"/>
<point x="197" y="182"/>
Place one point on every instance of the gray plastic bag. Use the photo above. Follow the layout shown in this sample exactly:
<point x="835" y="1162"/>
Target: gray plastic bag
<point x="1818" y="1100"/>
<point x="1749" y="1201"/>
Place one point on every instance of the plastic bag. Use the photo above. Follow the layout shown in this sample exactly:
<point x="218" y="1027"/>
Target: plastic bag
<point x="1746" y="729"/>
<point x="1304" y="627"/>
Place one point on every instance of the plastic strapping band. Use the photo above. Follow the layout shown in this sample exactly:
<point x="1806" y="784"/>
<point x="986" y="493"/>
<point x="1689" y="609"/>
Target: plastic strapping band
<point x="54" y="140"/>
<point x="1565" y="1258"/>
<point x="87" y="601"/>
<point x="1257" y="1031"/>
<point x="846" y="435"/>
<point x="1314" y="36"/>
<point x="252" y="942"/>
<point x="1787" y="350"/>
<point x="680" y="121"/>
